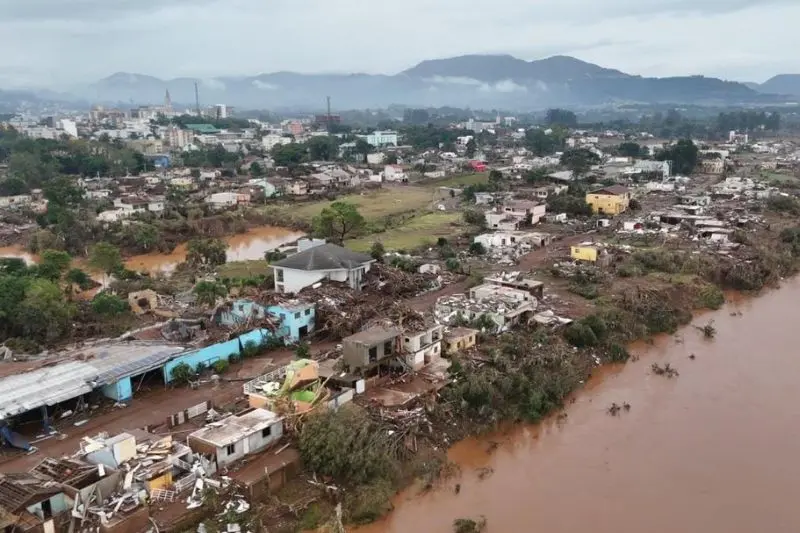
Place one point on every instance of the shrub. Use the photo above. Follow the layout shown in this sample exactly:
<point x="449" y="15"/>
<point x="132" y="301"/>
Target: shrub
<point x="597" y="325"/>
<point x="377" y="250"/>
<point x="221" y="366"/>
<point x="303" y="351"/>
<point x="181" y="374"/>
<point x="580" y="335"/>
<point x="477" y="248"/>
<point x="710" y="297"/>
<point x="617" y="353"/>
<point x="453" y="265"/>
<point x="629" y="270"/>
<point x="587" y="290"/>
<point x="107" y="304"/>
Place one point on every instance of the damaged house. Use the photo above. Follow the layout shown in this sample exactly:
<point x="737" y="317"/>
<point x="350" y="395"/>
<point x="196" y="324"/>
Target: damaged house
<point x="503" y="306"/>
<point x="422" y="346"/>
<point x="36" y="503"/>
<point x="371" y="347"/>
<point x="235" y="437"/>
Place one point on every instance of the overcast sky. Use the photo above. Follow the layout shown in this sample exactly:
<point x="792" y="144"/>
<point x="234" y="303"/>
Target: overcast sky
<point x="60" y="42"/>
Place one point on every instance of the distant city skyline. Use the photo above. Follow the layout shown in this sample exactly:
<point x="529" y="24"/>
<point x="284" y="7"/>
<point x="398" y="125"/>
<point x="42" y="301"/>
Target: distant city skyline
<point x="58" y="43"/>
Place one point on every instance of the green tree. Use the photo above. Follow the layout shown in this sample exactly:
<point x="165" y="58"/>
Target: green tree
<point x="377" y="251"/>
<point x="475" y="217"/>
<point x="323" y="148"/>
<point x="13" y="186"/>
<point x="256" y="170"/>
<point x="208" y="252"/>
<point x="579" y="160"/>
<point x="684" y="156"/>
<point x="631" y="149"/>
<point x="53" y="264"/>
<point x="105" y="257"/>
<point x="78" y="277"/>
<point x="338" y="221"/>
<point x="471" y="148"/>
<point x="495" y="176"/>
<point x="561" y="117"/>
<point x="363" y="147"/>
<point x="146" y="236"/>
<point x="108" y="305"/>
<point x="541" y="143"/>
<point x="288" y="155"/>
<point x="44" y="315"/>
<point x="207" y="292"/>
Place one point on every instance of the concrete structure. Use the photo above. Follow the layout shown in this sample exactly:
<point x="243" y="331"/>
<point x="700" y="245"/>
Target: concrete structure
<point x="660" y="167"/>
<point x="235" y="437"/>
<point x="327" y="261"/>
<point x="272" y="140"/>
<point x="459" y="339"/>
<point x="612" y="200"/>
<point x="584" y="252"/>
<point x="371" y="347"/>
<point x="422" y="347"/>
<point x="526" y="211"/>
<point x="381" y="138"/>
<point x="295" y="318"/>
<point x="501" y="221"/>
<point x="513" y="238"/>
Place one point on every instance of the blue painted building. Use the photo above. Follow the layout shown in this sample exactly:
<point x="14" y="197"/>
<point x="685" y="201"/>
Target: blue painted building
<point x="295" y="318"/>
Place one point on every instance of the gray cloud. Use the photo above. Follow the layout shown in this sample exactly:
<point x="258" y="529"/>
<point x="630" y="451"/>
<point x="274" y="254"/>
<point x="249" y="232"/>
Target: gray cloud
<point x="62" y="42"/>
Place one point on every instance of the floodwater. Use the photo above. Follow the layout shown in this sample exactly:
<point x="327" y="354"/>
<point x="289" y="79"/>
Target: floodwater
<point x="241" y="247"/>
<point x="713" y="450"/>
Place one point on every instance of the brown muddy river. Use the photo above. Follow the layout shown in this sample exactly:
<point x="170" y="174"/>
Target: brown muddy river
<point x="714" y="450"/>
<point x="250" y="245"/>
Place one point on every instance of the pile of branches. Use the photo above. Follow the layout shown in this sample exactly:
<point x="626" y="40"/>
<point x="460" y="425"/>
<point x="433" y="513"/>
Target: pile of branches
<point x="398" y="283"/>
<point x="337" y="319"/>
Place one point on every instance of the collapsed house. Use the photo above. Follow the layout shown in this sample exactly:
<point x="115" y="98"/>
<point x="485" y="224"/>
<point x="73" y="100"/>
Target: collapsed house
<point x="503" y="306"/>
<point x="300" y="383"/>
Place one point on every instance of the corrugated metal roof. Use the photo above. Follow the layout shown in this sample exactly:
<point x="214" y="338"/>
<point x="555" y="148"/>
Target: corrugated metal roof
<point x="46" y="386"/>
<point x="113" y="362"/>
<point x="107" y="363"/>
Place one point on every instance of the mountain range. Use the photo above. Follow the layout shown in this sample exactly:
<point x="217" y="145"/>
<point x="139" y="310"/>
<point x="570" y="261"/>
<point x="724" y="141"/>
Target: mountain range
<point x="478" y="81"/>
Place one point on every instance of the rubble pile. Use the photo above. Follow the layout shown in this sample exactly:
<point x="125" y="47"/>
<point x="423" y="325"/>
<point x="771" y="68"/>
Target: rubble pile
<point x="399" y="283"/>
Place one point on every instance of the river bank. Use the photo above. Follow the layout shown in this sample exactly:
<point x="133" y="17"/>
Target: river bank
<point x="710" y="450"/>
<point x="247" y="246"/>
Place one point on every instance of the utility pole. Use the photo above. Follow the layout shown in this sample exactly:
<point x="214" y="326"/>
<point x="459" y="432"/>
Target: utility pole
<point x="197" y="99"/>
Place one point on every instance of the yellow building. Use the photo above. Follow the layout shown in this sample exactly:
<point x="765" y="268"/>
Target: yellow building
<point x="611" y="200"/>
<point x="459" y="339"/>
<point x="584" y="253"/>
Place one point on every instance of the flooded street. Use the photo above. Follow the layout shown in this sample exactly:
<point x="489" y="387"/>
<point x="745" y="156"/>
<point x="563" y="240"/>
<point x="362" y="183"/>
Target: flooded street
<point x="713" y="450"/>
<point x="242" y="247"/>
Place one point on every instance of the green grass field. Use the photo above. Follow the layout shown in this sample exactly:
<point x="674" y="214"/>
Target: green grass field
<point x="244" y="269"/>
<point x="416" y="232"/>
<point x="460" y="181"/>
<point x="373" y="205"/>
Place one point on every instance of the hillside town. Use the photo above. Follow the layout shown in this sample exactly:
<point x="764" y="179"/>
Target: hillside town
<point x="431" y="283"/>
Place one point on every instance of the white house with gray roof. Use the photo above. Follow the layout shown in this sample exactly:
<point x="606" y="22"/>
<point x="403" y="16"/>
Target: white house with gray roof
<point x="325" y="261"/>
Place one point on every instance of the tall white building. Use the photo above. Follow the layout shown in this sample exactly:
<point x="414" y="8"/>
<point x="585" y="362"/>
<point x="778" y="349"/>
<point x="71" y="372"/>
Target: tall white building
<point x="221" y="111"/>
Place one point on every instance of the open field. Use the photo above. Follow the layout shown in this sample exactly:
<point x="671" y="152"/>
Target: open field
<point x="416" y="232"/>
<point x="244" y="269"/>
<point x="460" y="181"/>
<point x="373" y="205"/>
